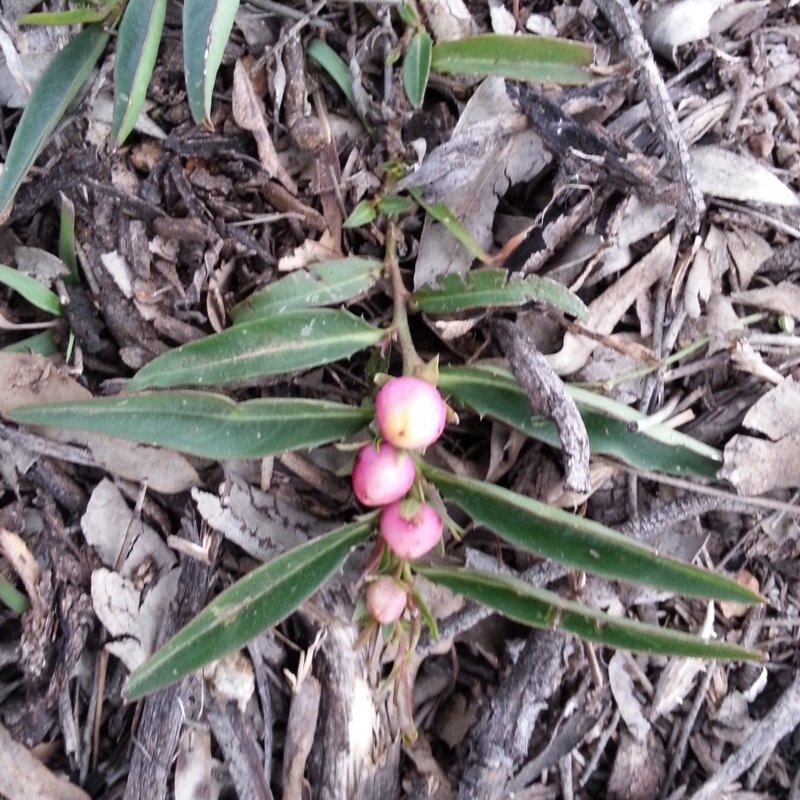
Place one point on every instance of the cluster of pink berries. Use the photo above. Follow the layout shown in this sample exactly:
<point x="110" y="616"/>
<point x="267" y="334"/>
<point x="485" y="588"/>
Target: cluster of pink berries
<point x="410" y="415"/>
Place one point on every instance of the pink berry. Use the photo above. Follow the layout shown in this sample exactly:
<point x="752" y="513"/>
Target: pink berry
<point x="382" y="474"/>
<point x="412" y="537"/>
<point x="410" y="413"/>
<point x="385" y="600"/>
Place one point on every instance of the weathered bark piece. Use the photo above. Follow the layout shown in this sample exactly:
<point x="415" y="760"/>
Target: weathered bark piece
<point x="157" y="736"/>
<point x="547" y="396"/>
<point x="499" y="740"/>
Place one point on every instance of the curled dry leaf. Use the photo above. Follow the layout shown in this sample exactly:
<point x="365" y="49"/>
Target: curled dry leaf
<point x="628" y="704"/>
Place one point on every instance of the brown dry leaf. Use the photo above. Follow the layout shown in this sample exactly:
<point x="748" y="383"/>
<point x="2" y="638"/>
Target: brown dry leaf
<point x="449" y="19"/>
<point x="676" y="24"/>
<point x="29" y="379"/>
<point x="704" y="277"/>
<point x="748" y="252"/>
<point x="782" y="299"/>
<point x="630" y="708"/>
<point x="193" y="780"/>
<point x="755" y="465"/>
<point x="606" y="311"/>
<point x="730" y="609"/>
<point x="490" y="150"/>
<point x="248" y="113"/>
<point x="310" y="252"/>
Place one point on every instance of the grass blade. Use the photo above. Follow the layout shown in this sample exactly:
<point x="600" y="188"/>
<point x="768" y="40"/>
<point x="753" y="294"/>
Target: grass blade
<point x="37" y="295"/>
<point x="61" y="81"/>
<point x="417" y="67"/>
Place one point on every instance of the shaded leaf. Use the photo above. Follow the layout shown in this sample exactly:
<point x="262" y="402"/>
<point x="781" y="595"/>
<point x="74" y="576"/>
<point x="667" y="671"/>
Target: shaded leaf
<point x="578" y="542"/>
<point x="254" y="603"/>
<point x="286" y="343"/>
<point x="61" y="81"/>
<point x="526" y="58"/>
<point x="207" y="26"/>
<point x="33" y="291"/>
<point x="41" y="343"/>
<point x="12" y="598"/>
<point x="328" y="59"/>
<point x="486" y="288"/>
<point x="321" y="284"/>
<point x="495" y="393"/>
<point x="417" y="67"/>
<point x="205" y="424"/>
<point x="66" y="239"/>
<point x="394" y="204"/>
<point x="362" y="214"/>
<point x="72" y="16"/>
<point x="540" y="608"/>
<point x="137" y="48"/>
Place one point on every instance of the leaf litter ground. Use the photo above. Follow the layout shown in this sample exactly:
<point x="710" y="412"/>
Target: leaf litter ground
<point x="688" y="317"/>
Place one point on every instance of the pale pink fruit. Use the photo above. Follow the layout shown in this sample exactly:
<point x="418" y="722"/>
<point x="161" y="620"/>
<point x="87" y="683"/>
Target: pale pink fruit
<point x="410" y="413"/>
<point x="412" y="537"/>
<point x="385" y="600"/>
<point x="382" y="474"/>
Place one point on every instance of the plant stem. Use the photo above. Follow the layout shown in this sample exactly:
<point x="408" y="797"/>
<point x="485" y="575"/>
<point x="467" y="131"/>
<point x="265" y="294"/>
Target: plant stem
<point x="411" y="361"/>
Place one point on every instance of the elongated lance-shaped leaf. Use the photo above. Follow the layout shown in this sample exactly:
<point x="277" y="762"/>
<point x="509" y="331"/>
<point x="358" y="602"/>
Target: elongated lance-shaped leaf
<point x="524" y="58"/>
<point x="207" y="26"/>
<point x="33" y="291"/>
<point x="495" y="393"/>
<point x="492" y="288"/>
<point x="41" y="343"/>
<point x="323" y="284"/>
<point x="286" y="343"/>
<point x="72" y="16"/>
<point x="137" y="48"/>
<point x="330" y="61"/>
<point x="57" y="87"/>
<point x="540" y="608"/>
<point x="254" y="603"/>
<point x="205" y="424"/>
<point x="417" y="67"/>
<point x="578" y="542"/>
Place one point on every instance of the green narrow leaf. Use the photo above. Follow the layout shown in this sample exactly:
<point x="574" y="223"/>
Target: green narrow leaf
<point x="280" y="344"/>
<point x="12" y="598"/>
<point x="577" y="542"/>
<point x="442" y="214"/>
<point x="66" y="239"/>
<point x="496" y="393"/>
<point x="491" y="287"/>
<point x="59" y="84"/>
<point x="41" y="343"/>
<point x="205" y="424"/>
<point x="327" y="58"/>
<point x="207" y="26"/>
<point x="72" y="16"/>
<point x="524" y="58"/>
<point x="394" y="204"/>
<point x="137" y="48"/>
<point x="417" y="67"/>
<point x="33" y="291"/>
<point x="540" y="608"/>
<point x="254" y="603"/>
<point x="362" y="214"/>
<point x="322" y="284"/>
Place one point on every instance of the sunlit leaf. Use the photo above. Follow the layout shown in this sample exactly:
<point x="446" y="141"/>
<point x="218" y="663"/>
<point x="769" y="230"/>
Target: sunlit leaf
<point x="137" y="48"/>
<point x="578" y="542"/>
<point x="59" y="84"/>
<point x="524" y="58"/>
<point x="33" y="291"/>
<point x="540" y="608"/>
<point x="487" y="288"/>
<point x="282" y="343"/>
<point x="417" y="67"/>
<point x="495" y="393"/>
<point x="254" y="603"/>
<point x="322" y="284"/>
<point x="206" y="424"/>
<point x="207" y="26"/>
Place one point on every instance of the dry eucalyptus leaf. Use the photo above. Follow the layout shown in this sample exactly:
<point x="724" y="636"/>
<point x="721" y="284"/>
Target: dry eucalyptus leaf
<point x="606" y="311"/>
<point x="721" y="173"/>
<point x="705" y="275"/>
<point x="490" y="150"/>
<point x="782" y="299"/>
<point x="449" y="19"/>
<point x="193" y="764"/>
<point x="630" y="708"/>
<point x="260" y="523"/>
<point x="749" y="250"/>
<point x="756" y="465"/>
